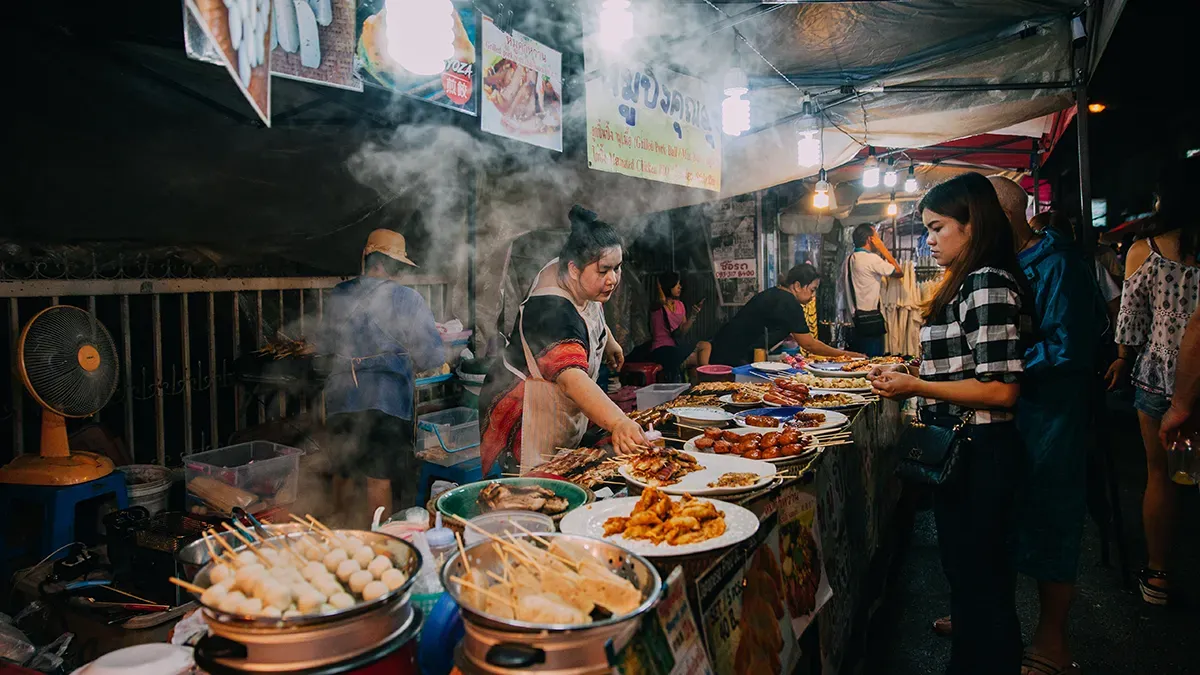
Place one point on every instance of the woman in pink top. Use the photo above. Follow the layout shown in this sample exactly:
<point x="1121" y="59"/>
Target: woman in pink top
<point x="669" y="322"/>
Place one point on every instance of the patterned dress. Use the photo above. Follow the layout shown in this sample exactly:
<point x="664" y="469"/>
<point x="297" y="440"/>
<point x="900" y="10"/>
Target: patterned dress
<point x="1156" y="304"/>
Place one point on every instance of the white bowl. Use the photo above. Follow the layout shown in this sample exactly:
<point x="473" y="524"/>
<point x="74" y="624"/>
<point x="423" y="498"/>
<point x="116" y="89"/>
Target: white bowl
<point x="701" y="417"/>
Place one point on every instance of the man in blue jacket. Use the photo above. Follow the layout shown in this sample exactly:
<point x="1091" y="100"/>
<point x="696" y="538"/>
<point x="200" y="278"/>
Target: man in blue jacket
<point x="1053" y="418"/>
<point x="384" y="333"/>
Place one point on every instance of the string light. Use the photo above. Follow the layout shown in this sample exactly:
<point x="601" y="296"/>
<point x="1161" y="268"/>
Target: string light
<point x="420" y="34"/>
<point x="735" y="110"/>
<point x="808" y="142"/>
<point x="893" y="209"/>
<point x="616" y="25"/>
<point x="870" y="176"/>
<point x="910" y="184"/>
<point x="821" y="194"/>
<point x="889" y="177"/>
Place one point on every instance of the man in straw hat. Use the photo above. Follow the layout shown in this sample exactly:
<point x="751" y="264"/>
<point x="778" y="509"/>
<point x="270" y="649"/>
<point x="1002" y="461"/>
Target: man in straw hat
<point x="384" y="334"/>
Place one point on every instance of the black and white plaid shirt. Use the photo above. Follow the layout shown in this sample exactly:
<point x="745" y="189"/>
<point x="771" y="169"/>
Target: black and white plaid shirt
<point x="976" y="336"/>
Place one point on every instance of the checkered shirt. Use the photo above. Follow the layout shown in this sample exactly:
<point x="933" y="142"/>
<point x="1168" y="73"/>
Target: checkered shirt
<point x="976" y="336"/>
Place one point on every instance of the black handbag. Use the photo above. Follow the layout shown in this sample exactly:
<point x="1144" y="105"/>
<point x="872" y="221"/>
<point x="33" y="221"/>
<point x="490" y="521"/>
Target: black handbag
<point x="869" y="323"/>
<point x="931" y="453"/>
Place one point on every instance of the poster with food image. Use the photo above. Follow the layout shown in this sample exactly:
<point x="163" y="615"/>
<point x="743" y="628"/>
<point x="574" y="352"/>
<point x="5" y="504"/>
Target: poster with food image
<point x="733" y="248"/>
<point x="522" y="88"/>
<point x="668" y="641"/>
<point x="802" y="571"/>
<point x="742" y="607"/>
<point x="314" y="42"/>
<point x="239" y="31"/>
<point x="380" y="64"/>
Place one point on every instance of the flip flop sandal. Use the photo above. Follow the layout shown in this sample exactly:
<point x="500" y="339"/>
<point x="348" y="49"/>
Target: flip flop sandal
<point x="1034" y="664"/>
<point x="1151" y="594"/>
<point x="943" y="627"/>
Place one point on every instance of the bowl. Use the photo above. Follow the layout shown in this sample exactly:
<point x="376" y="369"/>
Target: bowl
<point x="462" y="500"/>
<point x="701" y="417"/>
<point x="715" y="373"/>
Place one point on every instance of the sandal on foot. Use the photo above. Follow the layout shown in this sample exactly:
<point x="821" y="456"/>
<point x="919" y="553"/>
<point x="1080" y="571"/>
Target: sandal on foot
<point x="1035" y="664"/>
<point x="943" y="627"/>
<point x="1152" y="594"/>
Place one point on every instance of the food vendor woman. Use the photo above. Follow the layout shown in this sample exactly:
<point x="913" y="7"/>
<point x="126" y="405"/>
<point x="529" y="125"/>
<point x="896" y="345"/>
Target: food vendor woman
<point x="770" y="318"/>
<point x="542" y="393"/>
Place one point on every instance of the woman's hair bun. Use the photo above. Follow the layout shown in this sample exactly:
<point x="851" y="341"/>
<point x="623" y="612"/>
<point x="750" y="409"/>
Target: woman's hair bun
<point x="581" y="217"/>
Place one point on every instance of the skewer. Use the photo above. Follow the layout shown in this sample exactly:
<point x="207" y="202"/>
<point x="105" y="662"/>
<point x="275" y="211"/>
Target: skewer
<point x="514" y="549"/>
<point x="463" y="553"/>
<point x="533" y="536"/>
<point x="127" y="594"/>
<point x="249" y="545"/>
<point x="187" y="585"/>
<point x="320" y="525"/>
<point x="212" y="550"/>
<point x="569" y="563"/>
<point x="224" y="544"/>
<point x="479" y="589"/>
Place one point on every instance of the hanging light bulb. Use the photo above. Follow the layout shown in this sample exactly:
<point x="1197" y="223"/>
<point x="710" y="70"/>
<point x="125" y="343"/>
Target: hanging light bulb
<point x="616" y="25"/>
<point x="808" y="141"/>
<point x="893" y="209"/>
<point x="870" y="175"/>
<point x="910" y="184"/>
<point x="821" y="193"/>
<point x="735" y="110"/>
<point x="420" y="34"/>
<point x="889" y="176"/>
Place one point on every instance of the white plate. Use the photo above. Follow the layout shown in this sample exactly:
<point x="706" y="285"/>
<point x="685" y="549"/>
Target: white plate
<point x="588" y="521"/>
<point x="855" y="399"/>
<point x="727" y="399"/>
<point x="701" y="417"/>
<point x="848" y="390"/>
<point x="821" y="372"/>
<point x="833" y="420"/>
<point x="690" y="447"/>
<point x="696" y="483"/>
<point x="771" y="366"/>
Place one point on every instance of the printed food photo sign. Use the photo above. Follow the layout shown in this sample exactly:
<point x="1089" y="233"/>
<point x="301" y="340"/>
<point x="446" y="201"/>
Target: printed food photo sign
<point x="314" y="42"/>
<point x="239" y="32"/>
<point x="522" y="88"/>
<point x="653" y="123"/>
<point x="376" y="61"/>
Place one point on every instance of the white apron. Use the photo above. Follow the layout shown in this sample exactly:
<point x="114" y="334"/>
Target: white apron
<point x="549" y="418"/>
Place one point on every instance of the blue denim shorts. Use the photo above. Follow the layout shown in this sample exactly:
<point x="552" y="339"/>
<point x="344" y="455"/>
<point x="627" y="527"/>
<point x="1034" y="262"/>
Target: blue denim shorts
<point x="1154" y="405"/>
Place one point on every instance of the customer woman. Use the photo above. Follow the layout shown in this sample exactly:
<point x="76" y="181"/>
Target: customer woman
<point x="971" y="358"/>
<point x="541" y="394"/>
<point x="1162" y="287"/>
<point x="670" y="323"/>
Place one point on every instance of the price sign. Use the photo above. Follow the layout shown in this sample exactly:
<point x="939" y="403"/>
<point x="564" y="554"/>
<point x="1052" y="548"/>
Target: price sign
<point x="737" y="269"/>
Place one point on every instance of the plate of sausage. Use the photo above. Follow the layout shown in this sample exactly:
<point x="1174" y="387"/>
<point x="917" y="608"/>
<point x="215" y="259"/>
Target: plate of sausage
<point x="752" y="443"/>
<point x="809" y="420"/>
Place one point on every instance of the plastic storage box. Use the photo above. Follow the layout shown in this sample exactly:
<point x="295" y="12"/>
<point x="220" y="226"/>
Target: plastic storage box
<point x="450" y="430"/>
<point x="658" y="394"/>
<point x="267" y="471"/>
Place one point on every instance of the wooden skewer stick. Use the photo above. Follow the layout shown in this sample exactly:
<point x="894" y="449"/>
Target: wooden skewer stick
<point x="566" y="561"/>
<point x="533" y="536"/>
<point x="114" y="589"/>
<point x="212" y="550"/>
<point x="224" y="544"/>
<point x="249" y="545"/>
<point x="320" y="525"/>
<point x="187" y="585"/>
<point x="479" y="589"/>
<point x="497" y="577"/>
<point x="514" y="549"/>
<point x="462" y="552"/>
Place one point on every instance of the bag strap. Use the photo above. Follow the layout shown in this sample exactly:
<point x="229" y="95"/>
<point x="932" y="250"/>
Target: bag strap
<point x="850" y="283"/>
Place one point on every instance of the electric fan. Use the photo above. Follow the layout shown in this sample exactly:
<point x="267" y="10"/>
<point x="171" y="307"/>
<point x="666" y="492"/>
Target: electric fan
<point x="68" y="362"/>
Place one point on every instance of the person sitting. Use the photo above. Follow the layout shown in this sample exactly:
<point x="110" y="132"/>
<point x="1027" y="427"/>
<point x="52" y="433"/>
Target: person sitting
<point x="865" y="270"/>
<point x="771" y="317"/>
<point x="669" y="324"/>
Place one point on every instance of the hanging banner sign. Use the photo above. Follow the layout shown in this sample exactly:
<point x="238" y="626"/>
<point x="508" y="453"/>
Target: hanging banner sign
<point x="314" y="42"/>
<point x="236" y="34"/>
<point x="653" y="123"/>
<point x="455" y="87"/>
<point x="522" y="88"/>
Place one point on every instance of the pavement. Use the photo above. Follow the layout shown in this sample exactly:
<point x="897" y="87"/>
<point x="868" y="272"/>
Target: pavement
<point x="1113" y="631"/>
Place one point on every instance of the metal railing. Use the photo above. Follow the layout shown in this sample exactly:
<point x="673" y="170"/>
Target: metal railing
<point x="176" y="340"/>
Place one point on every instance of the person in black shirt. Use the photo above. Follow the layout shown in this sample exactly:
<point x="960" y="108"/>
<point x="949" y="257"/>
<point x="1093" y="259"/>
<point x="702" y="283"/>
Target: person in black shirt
<point x="770" y="318"/>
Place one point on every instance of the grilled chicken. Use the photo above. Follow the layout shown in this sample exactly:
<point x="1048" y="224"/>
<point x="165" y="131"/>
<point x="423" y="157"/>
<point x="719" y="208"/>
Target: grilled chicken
<point x="497" y="496"/>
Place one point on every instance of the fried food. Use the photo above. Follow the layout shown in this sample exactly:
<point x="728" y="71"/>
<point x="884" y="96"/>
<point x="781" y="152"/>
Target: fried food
<point x="656" y="518"/>
<point x="722" y="447"/>
<point x="734" y="479"/>
<point x="704" y="443"/>
<point x="660" y="467"/>
<point x="713" y="432"/>
<point x="806" y="420"/>
<point x="830" y="401"/>
<point x="762" y="421"/>
<point x="833" y="382"/>
<point x="746" y="397"/>
<point x="586" y="467"/>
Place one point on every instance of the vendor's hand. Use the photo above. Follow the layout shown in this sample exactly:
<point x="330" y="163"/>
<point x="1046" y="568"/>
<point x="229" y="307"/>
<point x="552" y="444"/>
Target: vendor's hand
<point x="887" y="368"/>
<point x="896" y="386"/>
<point x="1176" y="420"/>
<point x="614" y="356"/>
<point x="854" y="355"/>
<point x="1117" y="375"/>
<point x="626" y="436"/>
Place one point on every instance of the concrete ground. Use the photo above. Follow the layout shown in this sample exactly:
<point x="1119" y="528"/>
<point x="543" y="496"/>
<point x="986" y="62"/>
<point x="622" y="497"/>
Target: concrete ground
<point x="1113" y="631"/>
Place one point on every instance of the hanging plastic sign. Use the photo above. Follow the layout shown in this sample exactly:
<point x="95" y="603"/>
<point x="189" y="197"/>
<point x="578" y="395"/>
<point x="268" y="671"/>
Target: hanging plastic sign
<point x="236" y="34"/>
<point x="522" y="88"/>
<point x="314" y="42"/>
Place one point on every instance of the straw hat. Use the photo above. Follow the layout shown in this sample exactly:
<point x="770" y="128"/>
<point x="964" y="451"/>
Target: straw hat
<point x="388" y="243"/>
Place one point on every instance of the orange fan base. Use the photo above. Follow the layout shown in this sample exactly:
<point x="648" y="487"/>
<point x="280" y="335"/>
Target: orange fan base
<point x="56" y="465"/>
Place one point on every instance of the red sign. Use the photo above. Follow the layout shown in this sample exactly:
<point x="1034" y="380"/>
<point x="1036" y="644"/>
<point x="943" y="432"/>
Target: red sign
<point x="458" y="81"/>
<point x="737" y="269"/>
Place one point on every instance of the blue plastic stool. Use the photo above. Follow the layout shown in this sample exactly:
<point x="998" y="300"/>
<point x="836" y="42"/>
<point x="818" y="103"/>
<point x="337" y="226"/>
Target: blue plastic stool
<point x="57" y="505"/>
<point x="469" y="471"/>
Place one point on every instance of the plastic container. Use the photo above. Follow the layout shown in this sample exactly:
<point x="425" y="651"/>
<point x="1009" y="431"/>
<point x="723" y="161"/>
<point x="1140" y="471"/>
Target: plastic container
<point x="715" y="373"/>
<point x="450" y="430"/>
<point x="148" y="486"/>
<point x="268" y="471"/>
<point x="657" y="394"/>
<point x="501" y="522"/>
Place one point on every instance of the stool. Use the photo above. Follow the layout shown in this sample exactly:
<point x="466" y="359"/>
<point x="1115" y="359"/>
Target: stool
<point x="57" y="505"/>
<point x="470" y="471"/>
<point x="647" y="371"/>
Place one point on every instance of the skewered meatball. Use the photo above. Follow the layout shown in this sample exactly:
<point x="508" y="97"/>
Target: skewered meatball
<point x="347" y="568"/>
<point x="788" y="436"/>
<point x="705" y="443"/>
<point x="753" y="454"/>
<point x="770" y="452"/>
<point x="379" y="565"/>
<point x="713" y="432"/>
<point x="791" y="450"/>
<point x="364" y="556"/>
<point x="374" y="591"/>
<point x="342" y="601"/>
<point x="769" y="439"/>
<point x="359" y="580"/>
<point x="393" y="579"/>
<point x="334" y="558"/>
<point x="722" y="447"/>
<point x="731" y="436"/>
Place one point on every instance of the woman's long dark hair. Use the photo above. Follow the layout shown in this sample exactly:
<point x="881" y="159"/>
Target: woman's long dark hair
<point x="590" y="237"/>
<point x="666" y="281"/>
<point x="970" y="198"/>
<point x="1175" y="210"/>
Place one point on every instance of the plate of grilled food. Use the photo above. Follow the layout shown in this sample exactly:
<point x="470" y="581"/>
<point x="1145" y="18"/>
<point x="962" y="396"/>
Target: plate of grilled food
<point x="658" y="525"/>
<point x="833" y="400"/>
<point x="742" y="399"/>
<point x="706" y="474"/>
<point x="553" y="498"/>
<point x="852" y="383"/>
<point x="774" y="446"/>
<point x="801" y="419"/>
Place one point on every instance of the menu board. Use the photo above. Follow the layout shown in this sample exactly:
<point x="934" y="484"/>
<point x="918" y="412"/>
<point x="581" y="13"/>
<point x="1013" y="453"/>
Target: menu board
<point x="650" y="122"/>
<point x="314" y="41"/>
<point x="805" y="586"/>
<point x="522" y="88"/>
<point x="668" y="641"/>
<point x="454" y="88"/>
<point x="733" y="247"/>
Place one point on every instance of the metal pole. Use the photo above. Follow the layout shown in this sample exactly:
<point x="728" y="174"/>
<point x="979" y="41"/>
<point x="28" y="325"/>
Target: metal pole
<point x="160" y="443"/>
<point x="18" y="391"/>
<point x="127" y="364"/>
<point x="212" y="369"/>
<point x="1087" y="233"/>
<point x="186" y="353"/>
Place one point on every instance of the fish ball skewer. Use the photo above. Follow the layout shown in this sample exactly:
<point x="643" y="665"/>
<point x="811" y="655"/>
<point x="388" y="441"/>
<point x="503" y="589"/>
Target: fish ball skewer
<point x="379" y="565"/>
<point x="247" y="576"/>
<point x="393" y="579"/>
<point x="346" y="569"/>
<point x="213" y="595"/>
<point x="364" y="556"/>
<point x="313" y="570"/>
<point x="220" y="572"/>
<point x="359" y="580"/>
<point x="310" y="601"/>
<point x="232" y="602"/>
<point x="342" y="600"/>
<point x="334" y="558"/>
<point x="374" y="591"/>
